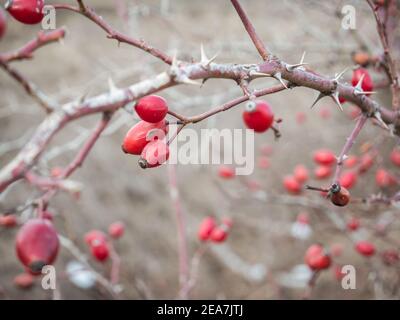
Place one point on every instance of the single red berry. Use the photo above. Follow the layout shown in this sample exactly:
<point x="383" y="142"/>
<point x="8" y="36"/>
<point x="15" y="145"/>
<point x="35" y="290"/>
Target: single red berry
<point x="258" y="116"/>
<point x="205" y="228"/>
<point x="8" y="220"/>
<point x="37" y="244"/>
<point x="390" y="257"/>
<point x="316" y="258"/>
<point x="322" y="172"/>
<point x="353" y="224"/>
<point x="24" y="280"/>
<point x="218" y="235"/>
<point x="301" y="117"/>
<point x="348" y="179"/>
<point x="366" y="162"/>
<point x="365" y="248"/>
<point x="350" y="162"/>
<point x="339" y="195"/>
<point x="26" y="11"/>
<point x="383" y="178"/>
<point x="303" y="218"/>
<point x="367" y="83"/>
<point x="141" y="134"/>
<point x="95" y="235"/>
<point x="292" y="185"/>
<point x="395" y="157"/>
<point x="154" y="154"/>
<point x="263" y="162"/>
<point x="226" y="172"/>
<point x="152" y="108"/>
<point x="342" y="100"/>
<point x="3" y="23"/>
<point x="324" y="157"/>
<point x="100" y="250"/>
<point x="116" y="229"/>
<point x="301" y="173"/>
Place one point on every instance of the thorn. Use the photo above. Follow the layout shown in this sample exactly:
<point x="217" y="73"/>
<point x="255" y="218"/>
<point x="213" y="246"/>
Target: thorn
<point x="292" y="67"/>
<point x="339" y="75"/>
<point x="335" y="97"/>
<point x="358" y="87"/>
<point x="204" y="60"/>
<point x="360" y="93"/>
<point x="255" y="74"/>
<point x="203" y="82"/>
<point x="278" y="76"/>
<point x="377" y="116"/>
<point x="320" y="96"/>
<point x="187" y="80"/>
<point x="111" y="85"/>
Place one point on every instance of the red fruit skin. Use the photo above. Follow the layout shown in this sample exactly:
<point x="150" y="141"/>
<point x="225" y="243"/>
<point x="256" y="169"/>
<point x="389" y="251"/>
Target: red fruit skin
<point x="136" y="138"/>
<point x="95" y="235"/>
<point x="26" y="11"/>
<point x="351" y="162"/>
<point x="348" y="179"/>
<point x="324" y="157"/>
<point x="341" y="198"/>
<point x="8" y="221"/>
<point x="116" y="230"/>
<point x="342" y="100"/>
<point x="152" y="108"/>
<point x="154" y="154"/>
<point x="353" y="224"/>
<point x="395" y="157"/>
<point x="322" y="172"/>
<point x="37" y="244"/>
<point x="24" y="281"/>
<point x="292" y="185"/>
<point x="366" y="162"/>
<point x="365" y="248"/>
<point x="383" y="178"/>
<point x="301" y="173"/>
<point x="226" y="172"/>
<point x="3" y="23"/>
<point x="205" y="229"/>
<point x="218" y="235"/>
<point x="316" y="258"/>
<point x="260" y="119"/>
<point x="367" y="84"/>
<point x="100" y="250"/>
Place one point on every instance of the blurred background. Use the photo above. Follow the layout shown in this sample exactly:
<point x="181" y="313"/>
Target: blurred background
<point x="261" y="257"/>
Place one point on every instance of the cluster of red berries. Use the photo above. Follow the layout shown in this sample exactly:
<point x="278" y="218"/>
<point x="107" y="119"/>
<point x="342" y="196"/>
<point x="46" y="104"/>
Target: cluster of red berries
<point x="98" y="241"/>
<point x="146" y="138"/>
<point x="258" y="116"/>
<point x="209" y="230"/>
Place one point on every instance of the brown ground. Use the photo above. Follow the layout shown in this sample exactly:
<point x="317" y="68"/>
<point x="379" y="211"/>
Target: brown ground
<point x="116" y="189"/>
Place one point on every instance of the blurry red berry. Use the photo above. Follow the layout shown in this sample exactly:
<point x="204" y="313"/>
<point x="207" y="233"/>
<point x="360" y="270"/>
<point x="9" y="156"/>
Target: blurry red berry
<point x="8" y="220"/>
<point x="324" y="157"/>
<point x="258" y="116"/>
<point x="353" y="224"/>
<point x="383" y="178"/>
<point x="322" y="172"/>
<point x="116" y="229"/>
<point x="292" y="185"/>
<point x="226" y="172"/>
<point x="367" y="83"/>
<point x="342" y="100"/>
<point x="337" y="272"/>
<point x="301" y="173"/>
<point x="316" y="258"/>
<point x="365" y="248"/>
<point x="140" y="135"/>
<point x="24" y="280"/>
<point x="100" y="250"/>
<point x="395" y="157"/>
<point x="205" y="228"/>
<point x="3" y="23"/>
<point x="348" y="179"/>
<point x="350" y="162"/>
<point x="37" y="244"/>
<point x="26" y="11"/>
<point x="366" y="162"/>
<point x="152" y="108"/>
<point x="339" y="195"/>
<point x="95" y="235"/>
<point x="154" y="154"/>
<point x="218" y="235"/>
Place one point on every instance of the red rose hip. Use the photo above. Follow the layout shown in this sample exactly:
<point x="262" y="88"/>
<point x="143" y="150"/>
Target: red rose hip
<point x="258" y="116"/>
<point x="116" y="230"/>
<point x="26" y="11"/>
<point x="152" y="108"/>
<point x="154" y="154"/>
<point x="3" y="23"/>
<point x="206" y="228"/>
<point x="316" y="258"/>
